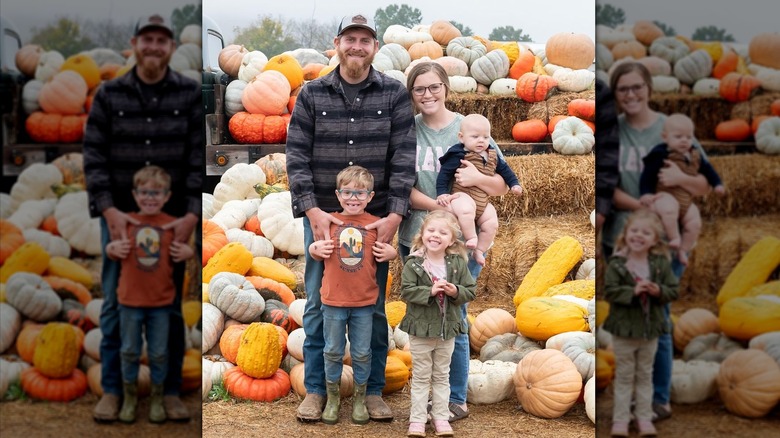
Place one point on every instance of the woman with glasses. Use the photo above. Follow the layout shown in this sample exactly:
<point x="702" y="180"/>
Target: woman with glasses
<point x="437" y="130"/>
<point x="639" y="129"/>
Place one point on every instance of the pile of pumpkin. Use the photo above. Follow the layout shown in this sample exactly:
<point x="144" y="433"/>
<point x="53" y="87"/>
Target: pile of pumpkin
<point x="712" y="357"/>
<point x="679" y="65"/>
<point x="49" y="255"/>
<point x="58" y="93"/>
<point x="258" y="100"/>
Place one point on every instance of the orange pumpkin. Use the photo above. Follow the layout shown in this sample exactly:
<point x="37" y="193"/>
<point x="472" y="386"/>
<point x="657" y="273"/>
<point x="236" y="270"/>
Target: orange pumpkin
<point x="242" y="386"/>
<point x="646" y="32"/>
<point x="774" y="108"/>
<point x="272" y="289"/>
<point x="85" y="66"/>
<point x="749" y="383"/>
<point x="230" y="57"/>
<point x="12" y="239"/>
<point x="529" y="131"/>
<point x="572" y="50"/>
<point x="26" y="339"/>
<point x="733" y="130"/>
<point x="757" y="121"/>
<point x="268" y="93"/>
<point x="583" y="108"/>
<point x="109" y="71"/>
<point x="213" y="239"/>
<point x="274" y="166"/>
<point x="431" y="49"/>
<point x="736" y="87"/>
<point x="253" y="224"/>
<point x="522" y="65"/>
<point x="39" y="387"/>
<point x="532" y="87"/>
<point x="547" y="383"/>
<point x="628" y="49"/>
<point x="312" y="71"/>
<point x="55" y="128"/>
<point x="65" y="93"/>
<point x="275" y="129"/>
<point x="726" y="64"/>
<point x="245" y="127"/>
<point x="27" y="59"/>
<point x="443" y="32"/>
<point x="287" y="65"/>
<point x="554" y="121"/>
<point x="67" y="288"/>
<point x="230" y="341"/>
<point x="763" y="49"/>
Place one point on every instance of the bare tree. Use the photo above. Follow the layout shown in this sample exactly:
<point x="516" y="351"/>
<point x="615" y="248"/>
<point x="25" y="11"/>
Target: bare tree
<point x="109" y="34"/>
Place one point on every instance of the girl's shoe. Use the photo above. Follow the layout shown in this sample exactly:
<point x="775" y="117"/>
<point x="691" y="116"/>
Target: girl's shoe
<point x="619" y="428"/>
<point x="416" y="430"/>
<point x="442" y="428"/>
<point x="646" y="428"/>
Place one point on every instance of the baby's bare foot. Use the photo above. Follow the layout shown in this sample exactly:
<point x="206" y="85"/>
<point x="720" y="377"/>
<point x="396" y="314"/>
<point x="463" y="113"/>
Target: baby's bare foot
<point x="471" y="243"/>
<point x="682" y="256"/>
<point x="479" y="257"/>
<point x="674" y="243"/>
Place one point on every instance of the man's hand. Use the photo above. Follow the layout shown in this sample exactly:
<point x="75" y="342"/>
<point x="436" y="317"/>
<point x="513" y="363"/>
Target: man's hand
<point x="181" y="251"/>
<point x="322" y="249"/>
<point x="117" y="223"/>
<point x="320" y="223"/>
<point x="386" y="227"/>
<point x="118" y="249"/>
<point x="182" y="227"/>
<point x="384" y="252"/>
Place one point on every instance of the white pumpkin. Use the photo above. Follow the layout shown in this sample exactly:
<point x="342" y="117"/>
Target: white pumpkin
<point x="582" y="352"/>
<point x="214" y="367"/>
<point x="193" y="54"/>
<point x="556" y="342"/>
<point x="30" y="93"/>
<point x="453" y="66"/>
<point x="589" y="395"/>
<point x="74" y="224"/>
<point x="208" y="205"/>
<point x="769" y="77"/>
<point x="236" y="297"/>
<point x="32" y="296"/>
<point x="296" y="310"/>
<point x="694" y="66"/>
<point x="295" y="343"/>
<point x="233" y="92"/>
<point x="279" y="225"/>
<point x="503" y="87"/>
<point x="213" y="324"/>
<point x="398" y="55"/>
<point x="10" y="324"/>
<point x="490" y="381"/>
<point x="486" y="69"/>
<point x="259" y="246"/>
<point x="238" y="183"/>
<point x="54" y="245"/>
<point x="769" y="342"/>
<point x="6" y="206"/>
<point x="466" y="48"/>
<point x="191" y="34"/>
<point x="205" y="386"/>
<point x="400" y="337"/>
<point x="707" y="87"/>
<point x="382" y="62"/>
<point x="92" y="340"/>
<point x="93" y="310"/>
<point x="604" y="58"/>
<point x="252" y="64"/>
<point x="550" y="69"/>
<point x="463" y="84"/>
<point x="587" y="270"/>
<point x="30" y="214"/>
<point x="669" y="48"/>
<point x="574" y="80"/>
<point x="35" y="182"/>
<point x="306" y="56"/>
<point x="396" y="33"/>
<point x="768" y="136"/>
<point x="572" y="136"/>
<point x="397" y="75"/>
<point x="666" y="84"/>
<point x="11" y="368"/>
<point x="693" y="381"/>
<point x="49" y="64"/>
<point x="610" y="37"/>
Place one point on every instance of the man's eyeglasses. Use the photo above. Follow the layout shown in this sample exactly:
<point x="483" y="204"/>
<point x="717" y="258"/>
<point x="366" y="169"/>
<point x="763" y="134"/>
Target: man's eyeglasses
<point x="433" y="88"/>
<point x="635" y="88"/>
<point x="360" y="195"/>
<point x="151" y="193"/>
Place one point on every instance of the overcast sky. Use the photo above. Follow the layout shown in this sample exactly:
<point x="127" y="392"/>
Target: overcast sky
<point x="539" y="20"/>
<point x="741" y="18"/>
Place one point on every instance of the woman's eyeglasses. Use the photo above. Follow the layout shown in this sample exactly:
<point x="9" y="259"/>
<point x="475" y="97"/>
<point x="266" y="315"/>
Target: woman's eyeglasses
<point x="360" y="195"/>
<point x="151" y="193"/>
<point x="636" y="88"/>
<point x="433" y="88"/>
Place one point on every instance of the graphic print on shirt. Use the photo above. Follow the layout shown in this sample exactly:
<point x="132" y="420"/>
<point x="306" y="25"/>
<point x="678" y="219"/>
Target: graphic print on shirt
<point x="429" y="160"/>
<point x="351" y="250"/>
<point x="147" y="247"/>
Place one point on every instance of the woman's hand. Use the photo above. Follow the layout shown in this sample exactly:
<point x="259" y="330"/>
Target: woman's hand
<point x="670" y="175"/>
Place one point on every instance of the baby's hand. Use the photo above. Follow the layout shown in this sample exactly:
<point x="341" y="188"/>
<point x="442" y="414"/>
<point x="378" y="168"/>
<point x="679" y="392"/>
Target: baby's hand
<point x="517" y="190"/>
<point x="443" y="200"/>
<point x="720" y="190"/>
<point x="647" y="200"/>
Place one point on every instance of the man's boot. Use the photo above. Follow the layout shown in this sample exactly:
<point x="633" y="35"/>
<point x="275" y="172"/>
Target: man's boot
<point x="330" y="415"/>
<point x="130" y="403"/>
<point x="156" y="407"/>
<point x="107" y="409"/>
<point x="310" y="409"/>
<point x="359" y="411"/>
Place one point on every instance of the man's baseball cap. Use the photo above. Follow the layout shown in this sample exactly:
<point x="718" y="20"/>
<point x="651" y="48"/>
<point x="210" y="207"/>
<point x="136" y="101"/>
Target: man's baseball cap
<point x="156" y="22"/>
<point x="357" y="21"/>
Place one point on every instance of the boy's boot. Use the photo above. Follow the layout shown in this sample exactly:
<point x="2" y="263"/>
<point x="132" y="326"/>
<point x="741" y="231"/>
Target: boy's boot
<point x="156" y="407"/>
<point x="330" y="415"/>
<point x="359" y="411"/>
<point x="130" y="403"/>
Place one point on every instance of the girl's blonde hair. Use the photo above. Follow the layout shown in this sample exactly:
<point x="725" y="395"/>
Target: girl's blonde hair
<point x="458" y="247"/>
<point x="654" y="220"/>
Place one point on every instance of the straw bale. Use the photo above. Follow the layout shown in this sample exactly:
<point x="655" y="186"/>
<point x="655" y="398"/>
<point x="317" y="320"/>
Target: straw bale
<point x="751" y="181"/>
<point x="553" y="184"/>
<point x="721" y="245"/>
<point x="757" y="105"/>
<point x="706" y="112"/>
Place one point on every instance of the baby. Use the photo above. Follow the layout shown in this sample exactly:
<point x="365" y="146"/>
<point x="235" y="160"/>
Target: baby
<point x="470" y="204"/>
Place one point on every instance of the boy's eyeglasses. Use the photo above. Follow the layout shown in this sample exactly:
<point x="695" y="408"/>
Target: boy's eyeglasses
<point x="151" y="193"/>
<point x="433" y="88"/>
<point x="360" y="195"/>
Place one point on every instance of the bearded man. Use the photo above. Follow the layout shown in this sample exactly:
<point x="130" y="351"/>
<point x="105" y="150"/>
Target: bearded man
<point x="150" y="115"/>
<point x="354" y="115"/>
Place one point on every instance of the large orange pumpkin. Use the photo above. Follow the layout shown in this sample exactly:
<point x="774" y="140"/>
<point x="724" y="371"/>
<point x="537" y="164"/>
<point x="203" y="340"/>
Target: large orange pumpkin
<point x="749" y="383"/>
<point x="583" y="108"/>
<point x="443" y="32"/>
<point x="763" y="49"/>
<point x="431" y="49"/>
<point x="43" y="127"/>
<point x="230" y="341"/>
<point x="547" y="383"/>
<point x="245" y="127"/>
<point x="268" y="93"/>
<point x="40" y="387"/>
<point x="736" y="87"/>
<point x="65" y="93"/>
<point x="489" y="323"/>
<point x="245" y="387"/>
<point x="572" y="50"/>
<point x="529" y="131"/>
<point x="287" y="65"/>
<point x="726" y="64"/>
<point x="523" y="64"/>
<point x="532" y="87"/>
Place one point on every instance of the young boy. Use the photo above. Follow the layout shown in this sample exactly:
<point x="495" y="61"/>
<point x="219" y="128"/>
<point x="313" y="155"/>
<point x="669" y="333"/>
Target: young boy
<point x="471" y="203"/>
<point x="146" y="290"/>
<point x="349" y="289"/>
<point x="672" y="203"/>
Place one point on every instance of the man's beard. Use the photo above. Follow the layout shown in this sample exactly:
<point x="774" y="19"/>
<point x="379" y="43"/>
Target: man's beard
<point x="354" y="69"/>
<point x="152" y="66"/>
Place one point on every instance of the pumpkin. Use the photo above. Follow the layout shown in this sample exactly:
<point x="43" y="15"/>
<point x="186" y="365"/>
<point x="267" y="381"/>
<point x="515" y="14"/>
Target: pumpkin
<point x="692" y="323"/>
<point x="55" y="128"/>
<point x="547" y="383"/>
<point x="212" y="324"/>
<point x="572" y="50"/>
<point x="57" y="350"/>
<point x="26" y="60"/>
<point x="749" y="383"/>
<point x="646" y="32"/>
<point x="605" y="368"/>
<point x="213" y="239"/>
<point x="542" y="317"/>
<point x="65" y="94"/>
<point x="582" y="352"/>
<point x="694" y="66"/>
<point x="582" y="108"/>
<point x="589" y="396"/>
<point x="421" y="49"/>
<point x="26" y="341"/>
<point x="236" y="297"/>
<point x="243" y="386"/>
<point x="467" y="49"/>
<point x="94" y="373"/>
<point x="277" y="313"/>
<point x="733" y="130"/>
<point x="75" y="225"/>
<point x="30" y="93"/>
<point x="508" y="347"/>
<point x="289" y="67"/>
<point x="743" y="318"/>
<point x="214" y="367"/>
<point x="11" y="368"/>
<point x="271" y="269"/>
<point x="295" y="343"/>
<point x="714" y="347"/>
<point x="443" y="32"/>
<point x="279" y="225"/>
<point x="572" y="136"/>
<point x="737" y="87"/>
<point x="67" y="268"/>
<point x="669" y="48"/>
<point x="233" y="92"/>
<point x="85" y="66"/>
<point x="257" y="245"/>
<point x="753" y="269"/>
<point x="586" y="271"/>
<point x="233" y="258"/>
<point x="34" y="183"/>
<point x="774" y="107"/>
<point x="768" y="136"/>
<point x="267" y="94"/>
<point x="490" y="382"/>
<point x="523" y="64"/>
<point x="556" y="342"/>
<point x="49" y="64"/>
<point x="396" y="33"/>
<point x="763" y="49"/>
<point x="395" y="311"/>
<point x="274" y="166"/>
<point x="41" y="387"/>
<point x="396" y="375"/>
<point x="346" y="385"/>
<point x="463" y="84"/>
<point x="10" y="324"/>
<point x="230" y="59"/>
<point x="11" y="241"/>
<point x="68" y="289"/>
<point x="259" y="352"/>
<point x="768" y="342"/>
<point x="529" y="131"/>
<point x="190" y="371"/>
<point x="489" y="323"/>
<point x="230" y="341"/>
<point x="628" y="49"/>
<point x="532" y="87"/>
<point x="296" y="310"/>
<point x="550" y="269"/>
<point x="488" y="68"/>
<point x="708" y="87"/>
<point x="693" y="381"/>
<point x="32" y="296"/>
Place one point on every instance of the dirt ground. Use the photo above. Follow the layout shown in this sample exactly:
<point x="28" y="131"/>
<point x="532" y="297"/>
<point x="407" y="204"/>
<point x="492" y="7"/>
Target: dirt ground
<point x="62" y="420"/>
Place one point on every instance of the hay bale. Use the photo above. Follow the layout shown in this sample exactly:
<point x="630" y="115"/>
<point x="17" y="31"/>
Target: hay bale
<point x="553" y="184"/>
<point x="752" y="182"/>
<point x="758" y="105"/>
<point x="706" y="112"/>
<point x="721" y="245"/>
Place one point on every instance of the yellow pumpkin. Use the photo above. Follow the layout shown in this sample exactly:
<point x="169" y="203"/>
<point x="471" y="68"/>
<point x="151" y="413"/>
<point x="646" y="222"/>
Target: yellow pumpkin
<point x="269" y="268"/>
<point x="259" y="354"/>
<point x="29" y="257"/>
<point x="550" y="269"/>
<point x="66" y="268"/>
<point x="56" y="350"/>
<point x="233" y="257"/>
<point x="745" y="317"/>
<point x="540" y="318"/>
<point x="395" y="311"/>
<point x="585" y="289"/>
<point x="753" y="269"/>
<point x="287" y="65"/>
<point x="396" y="375"/>
<point x="85" y="66"/>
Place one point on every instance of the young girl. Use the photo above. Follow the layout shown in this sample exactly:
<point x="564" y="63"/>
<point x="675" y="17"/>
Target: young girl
<point x="638" y="283"/>
<point x="435" y="282"/>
